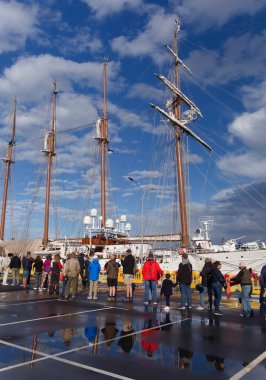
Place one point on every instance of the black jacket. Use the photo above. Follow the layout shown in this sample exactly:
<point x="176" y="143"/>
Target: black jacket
<point x="15" y="262"/>
<point x="167" y="287"/>
<point x="216" y="276"/>
<point x="184" y="275"/>
<point x="128" y="264"/>
<point x="38" y="265"/>
<point x="206" y="274"/>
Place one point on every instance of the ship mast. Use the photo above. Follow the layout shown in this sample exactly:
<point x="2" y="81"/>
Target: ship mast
<point x="49" y="150"/>
<point x="8" y="160"/>
<point x="179" y="155"/>
<point x="102" y="137"/>
<point x="179" y="123"/>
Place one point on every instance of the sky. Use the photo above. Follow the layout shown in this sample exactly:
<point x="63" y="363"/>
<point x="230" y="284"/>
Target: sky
<point x="222" y="42"/>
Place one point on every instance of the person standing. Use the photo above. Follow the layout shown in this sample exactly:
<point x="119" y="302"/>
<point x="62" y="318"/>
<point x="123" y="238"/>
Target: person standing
<point x="184" y="278"/>
<point x="72" y="269"/>
<point x="26" y="265"/>
<point x="38" y="266"/>
<point x="167" y="290"/>
<point x="46" y="272"/>
<point x="262" y="283"/>
<point x="128" y="265"/>
<point x="151" y="272"/>
<point x="6" y="266"/>
<point x="244" y="278"/>
<point x="94" y="270"/>
<point x="217" y="282"/>
<point x="64" y="277"/>
<point x="15" y="266"/>
<point x="206" y="284"/>
<point x="112" y="268"/>
<point x="55" y="275"/>
<point x="31" y="261"/>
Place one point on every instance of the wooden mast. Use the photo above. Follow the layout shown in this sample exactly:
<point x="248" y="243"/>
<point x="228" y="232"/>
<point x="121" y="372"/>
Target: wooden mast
<point x="50" y="152"/>
<point x="103" y="142"/>
<point x="8" y="162"/>
<point x="179" y="155"/>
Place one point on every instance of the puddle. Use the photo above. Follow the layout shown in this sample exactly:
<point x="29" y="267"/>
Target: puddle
<point x="10" y="356"/>
<point x="106" y="336"/>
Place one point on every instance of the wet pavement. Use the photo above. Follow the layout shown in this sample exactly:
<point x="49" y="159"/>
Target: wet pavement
<point x="42" y="336"/>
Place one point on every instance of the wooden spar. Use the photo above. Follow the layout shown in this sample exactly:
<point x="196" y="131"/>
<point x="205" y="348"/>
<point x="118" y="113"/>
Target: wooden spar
<point x="103" y="142"/>
<point x="179" y="155"/>
<point x="180" y="124"/>
<point x="50" y="154"/>
<point x="8" y="162"/>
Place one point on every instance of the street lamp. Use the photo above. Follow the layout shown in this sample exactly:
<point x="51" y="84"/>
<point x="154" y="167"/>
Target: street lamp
<point x="142" y="213"/>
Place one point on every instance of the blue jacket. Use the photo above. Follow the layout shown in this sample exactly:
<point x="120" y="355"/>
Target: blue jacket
<point x="94" y="270"/>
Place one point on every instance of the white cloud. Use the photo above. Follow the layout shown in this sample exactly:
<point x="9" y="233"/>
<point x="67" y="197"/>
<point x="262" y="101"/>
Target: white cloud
<point x="239" y="57"/>
<point x="18" y="22"/>
<point x="210" y="13"/>
<point x="146" y="92"/>
<point x="30" y="77"/>
<point x="149" y="41"/>
<point x="104" y="8"/>
<point x="142" y="174"/>
<point x="82" y="40"/>
<point x="248" y="128"/>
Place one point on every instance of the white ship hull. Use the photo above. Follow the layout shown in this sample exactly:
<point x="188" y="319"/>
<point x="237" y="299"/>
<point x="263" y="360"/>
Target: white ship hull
<point x="254" y="259"/>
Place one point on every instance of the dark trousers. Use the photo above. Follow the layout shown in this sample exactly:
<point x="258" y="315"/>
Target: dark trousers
<point x="217" y="291"/>
<point x="167" y="300"/>
<point x="54" y="284"/>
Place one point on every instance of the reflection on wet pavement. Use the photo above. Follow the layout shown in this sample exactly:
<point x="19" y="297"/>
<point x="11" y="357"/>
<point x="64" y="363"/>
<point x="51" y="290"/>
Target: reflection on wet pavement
<point x="112" y="336"/>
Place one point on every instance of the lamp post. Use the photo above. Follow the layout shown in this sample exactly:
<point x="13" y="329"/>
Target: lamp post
<point x="142" y="213"/>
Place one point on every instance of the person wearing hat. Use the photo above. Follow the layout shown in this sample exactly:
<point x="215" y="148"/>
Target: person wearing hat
<point x="244" y="278"/>
<point x="151" y="272"/>
<point x="206" y="284"/>
<point x="128" y="265"/>
<point x="93" y="271"/>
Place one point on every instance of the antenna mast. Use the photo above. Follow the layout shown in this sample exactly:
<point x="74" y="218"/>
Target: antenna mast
<point x="8" y="160"/>
<point x="179" y="155"/>
<point x="49" y="150"/>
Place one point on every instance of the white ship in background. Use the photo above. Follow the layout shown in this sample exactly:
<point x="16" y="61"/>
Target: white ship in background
<point x="230" y="253"/>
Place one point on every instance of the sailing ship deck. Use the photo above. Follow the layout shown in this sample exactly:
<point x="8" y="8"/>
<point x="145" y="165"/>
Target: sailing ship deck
<point x="45" y="337"/>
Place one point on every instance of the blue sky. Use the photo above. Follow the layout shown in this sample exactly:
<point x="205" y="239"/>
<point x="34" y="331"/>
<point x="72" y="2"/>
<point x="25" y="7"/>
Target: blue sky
<point x="223" y="44"/>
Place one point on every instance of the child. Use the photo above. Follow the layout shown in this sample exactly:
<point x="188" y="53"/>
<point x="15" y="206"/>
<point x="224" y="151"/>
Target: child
<point x="167" y="291"/>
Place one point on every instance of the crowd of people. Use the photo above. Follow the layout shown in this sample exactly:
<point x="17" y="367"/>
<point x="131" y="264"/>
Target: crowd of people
<point x="49" y="272"/>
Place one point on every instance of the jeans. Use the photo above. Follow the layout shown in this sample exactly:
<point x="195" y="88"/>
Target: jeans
<point x="217" y="291"/>
<point x="262" y="291"/>
<point x="150" y="290"/>
<point x="38" y="278"/>
<point x="185" y="294"/>
<point x="245" y="299"/>
<point x="64" y="283"/>
<point x="206" y="289"/>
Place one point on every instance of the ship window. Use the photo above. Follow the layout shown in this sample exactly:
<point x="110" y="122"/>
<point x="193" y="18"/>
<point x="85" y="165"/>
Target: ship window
<point x="227" y="257"/>
<point x="107" y="248"/>
<point x="241" y="257"/>
<point x="200" y="259"/>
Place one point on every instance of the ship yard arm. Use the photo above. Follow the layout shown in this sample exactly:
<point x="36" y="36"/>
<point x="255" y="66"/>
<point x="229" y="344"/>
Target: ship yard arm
<point x="178" y="123"/>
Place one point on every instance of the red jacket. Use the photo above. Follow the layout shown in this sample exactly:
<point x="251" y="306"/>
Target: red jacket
<point x="151" y="270"/>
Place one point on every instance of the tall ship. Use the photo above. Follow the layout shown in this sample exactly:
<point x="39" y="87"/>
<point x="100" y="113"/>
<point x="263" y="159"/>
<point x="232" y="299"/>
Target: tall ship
<point x="103" y="235"/>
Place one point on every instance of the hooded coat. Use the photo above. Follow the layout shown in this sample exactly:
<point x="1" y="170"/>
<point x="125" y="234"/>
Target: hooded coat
<point x="94" y="270"/>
